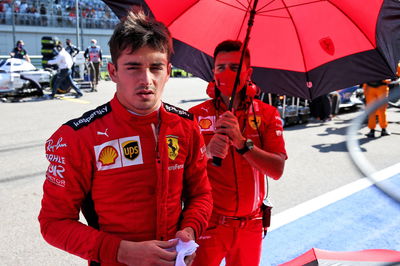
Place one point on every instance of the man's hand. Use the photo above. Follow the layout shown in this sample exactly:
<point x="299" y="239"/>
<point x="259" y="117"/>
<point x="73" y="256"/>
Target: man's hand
<point x="228" y="124"/>
<point x="145" y="253"/>
<point x="187" y="234"/>
<point x="218" y="146"/>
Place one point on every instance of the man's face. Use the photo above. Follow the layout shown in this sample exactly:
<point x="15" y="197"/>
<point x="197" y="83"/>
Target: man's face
<point x="229" y="61"/>
<point x="140" y="77"/>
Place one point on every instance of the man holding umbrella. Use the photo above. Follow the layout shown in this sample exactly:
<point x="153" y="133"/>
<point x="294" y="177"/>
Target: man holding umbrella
<point x="249" y="139"/>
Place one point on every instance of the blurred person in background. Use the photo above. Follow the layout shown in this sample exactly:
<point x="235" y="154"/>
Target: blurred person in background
<point x="64" y="62"/>
<point x="94" y="55"/>
<point x="373" y="91"/>
<point x="20" y="52"/>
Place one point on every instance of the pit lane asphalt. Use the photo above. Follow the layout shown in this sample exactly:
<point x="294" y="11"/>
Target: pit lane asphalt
<point x="318" y="162"/>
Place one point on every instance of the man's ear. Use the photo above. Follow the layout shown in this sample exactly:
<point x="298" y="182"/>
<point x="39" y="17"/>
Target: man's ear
<point x="169" y="69"/>
<point x="249" y="73"/>
<point x="112" y="70"/>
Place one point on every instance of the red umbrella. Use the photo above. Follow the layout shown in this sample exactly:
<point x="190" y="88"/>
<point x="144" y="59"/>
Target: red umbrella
<point x="302" y="48"/>
<point x="368" y="257"/>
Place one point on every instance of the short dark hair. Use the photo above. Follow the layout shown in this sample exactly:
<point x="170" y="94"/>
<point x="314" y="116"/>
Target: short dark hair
<point x="137" y="30"/>
<point x="232" y="46"/>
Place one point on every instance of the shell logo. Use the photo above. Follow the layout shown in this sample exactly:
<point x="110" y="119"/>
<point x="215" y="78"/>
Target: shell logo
<point x="108" y="155"/>
<point x="205" y="123"/>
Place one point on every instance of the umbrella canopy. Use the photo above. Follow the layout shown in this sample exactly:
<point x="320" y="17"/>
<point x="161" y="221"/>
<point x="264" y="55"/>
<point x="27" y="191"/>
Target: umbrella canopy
<point x="303" y="48"/>
<point x="364" y="257"/>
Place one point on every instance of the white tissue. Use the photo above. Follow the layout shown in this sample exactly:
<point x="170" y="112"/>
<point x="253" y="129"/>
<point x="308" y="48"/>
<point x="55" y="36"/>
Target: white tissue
<point x="184" y="249"/>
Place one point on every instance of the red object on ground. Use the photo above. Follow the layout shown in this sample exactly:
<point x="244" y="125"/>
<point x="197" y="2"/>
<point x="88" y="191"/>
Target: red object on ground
<point x="317" y="256"/>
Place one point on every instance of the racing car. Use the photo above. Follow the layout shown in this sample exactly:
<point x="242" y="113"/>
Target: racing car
<point x="19" y="78"/>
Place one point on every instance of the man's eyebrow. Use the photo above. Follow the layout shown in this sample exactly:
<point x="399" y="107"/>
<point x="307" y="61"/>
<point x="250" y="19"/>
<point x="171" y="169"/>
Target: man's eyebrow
<point x="141" y="64"/>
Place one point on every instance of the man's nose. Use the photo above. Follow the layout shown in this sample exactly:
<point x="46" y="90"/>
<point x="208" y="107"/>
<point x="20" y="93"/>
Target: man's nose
<point x="146" y="77"/>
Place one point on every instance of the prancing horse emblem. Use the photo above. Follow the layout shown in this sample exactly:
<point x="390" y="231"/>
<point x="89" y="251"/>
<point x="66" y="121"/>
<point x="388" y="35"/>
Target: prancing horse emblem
<point x="173" y="147"/>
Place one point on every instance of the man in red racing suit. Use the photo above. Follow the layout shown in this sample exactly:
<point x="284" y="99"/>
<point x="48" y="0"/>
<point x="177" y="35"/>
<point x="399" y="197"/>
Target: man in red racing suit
<point x="239" y="184"/>
<point x="135" y="166"/>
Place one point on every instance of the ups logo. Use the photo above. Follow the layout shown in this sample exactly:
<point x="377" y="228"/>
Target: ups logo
<point x="131" y="149"/>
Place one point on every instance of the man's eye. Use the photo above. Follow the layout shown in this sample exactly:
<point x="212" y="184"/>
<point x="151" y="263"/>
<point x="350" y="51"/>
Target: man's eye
<point x="156" y="68"/>
<point x="234" y="68"/>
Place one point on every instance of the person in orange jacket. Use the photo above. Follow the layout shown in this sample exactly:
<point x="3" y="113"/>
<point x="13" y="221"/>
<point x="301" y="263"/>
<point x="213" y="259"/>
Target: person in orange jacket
<point x="250" y="141"/>
<point x="374" y="91"/>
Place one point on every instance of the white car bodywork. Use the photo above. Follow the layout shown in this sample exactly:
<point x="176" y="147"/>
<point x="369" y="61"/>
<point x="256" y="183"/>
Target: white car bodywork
<point x="18" y="75"/>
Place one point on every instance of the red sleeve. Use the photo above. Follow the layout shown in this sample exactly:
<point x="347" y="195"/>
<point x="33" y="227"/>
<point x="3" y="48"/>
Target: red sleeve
<point x="273" y="131"/>
<point x="68" y="181"/>
<point x="197" y="194"/>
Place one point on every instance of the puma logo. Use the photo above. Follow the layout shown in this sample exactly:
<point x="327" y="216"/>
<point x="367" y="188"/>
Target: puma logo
<point x="103" y="133"/>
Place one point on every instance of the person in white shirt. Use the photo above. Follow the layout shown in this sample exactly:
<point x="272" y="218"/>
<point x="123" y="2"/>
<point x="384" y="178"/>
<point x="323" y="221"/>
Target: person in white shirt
<point x="64" y="62"/>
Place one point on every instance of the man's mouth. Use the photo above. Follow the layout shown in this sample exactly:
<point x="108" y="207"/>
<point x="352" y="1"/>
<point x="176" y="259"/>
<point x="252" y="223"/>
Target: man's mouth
<point x="145" y="92"/>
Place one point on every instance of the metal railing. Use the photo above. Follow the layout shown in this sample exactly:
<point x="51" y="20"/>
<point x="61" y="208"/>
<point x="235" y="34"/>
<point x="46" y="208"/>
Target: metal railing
<point x="57" y="20"/>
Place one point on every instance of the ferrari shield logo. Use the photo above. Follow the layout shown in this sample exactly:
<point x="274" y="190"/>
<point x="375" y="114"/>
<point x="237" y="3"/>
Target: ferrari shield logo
<point x="173" y="147"/>
<point x="327" y="45"/>
<point x="255" y="122"/>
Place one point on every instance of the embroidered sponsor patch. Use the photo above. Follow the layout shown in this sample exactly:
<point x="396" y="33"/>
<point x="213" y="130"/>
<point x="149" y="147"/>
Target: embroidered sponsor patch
<point x="56" y="170"/>
<point x="89" y="116"/>
<point x="54" y="158"/>
<point x="55" y="174"/>
<point x="108" y="155"/>
<point x="207" y="123"/>
<point x="254" y="123"/>
<point x="52" y="146"/>
<point x="55" y="180"/>
<point x="175" y="167"/>
<point x="118" y="153"/>
<point x="131" y="149"/>
<point x="173" y="146"/>
<point x="178" y="111"/>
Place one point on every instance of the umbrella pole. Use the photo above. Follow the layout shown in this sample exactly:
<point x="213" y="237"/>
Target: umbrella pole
<point x="244" y="47"/>
<point x="216" y="160"/>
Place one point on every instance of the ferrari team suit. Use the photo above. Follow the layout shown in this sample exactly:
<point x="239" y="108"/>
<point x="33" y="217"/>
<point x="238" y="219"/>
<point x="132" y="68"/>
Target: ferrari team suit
<point x="129" y="175"/>
<point x="374" y="91"/>
<point x="236" y="226"/>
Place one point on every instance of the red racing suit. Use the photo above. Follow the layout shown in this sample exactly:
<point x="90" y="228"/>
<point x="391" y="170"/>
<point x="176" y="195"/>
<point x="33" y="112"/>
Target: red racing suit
<point x="129" y="175"/>
<point x="238" y="189"/>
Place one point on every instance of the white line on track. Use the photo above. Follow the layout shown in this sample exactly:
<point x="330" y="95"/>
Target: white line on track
<point x="319" y="202"/>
